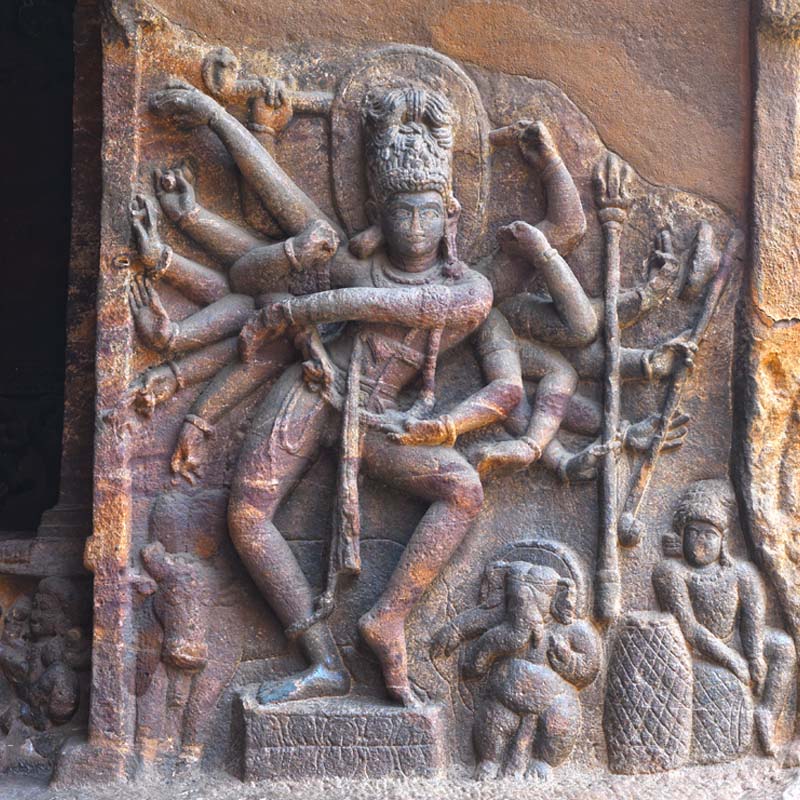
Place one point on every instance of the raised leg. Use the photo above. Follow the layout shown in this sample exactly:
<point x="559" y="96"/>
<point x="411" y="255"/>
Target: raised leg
<point x="444" y="477"/>
<point x="557" y="382"/>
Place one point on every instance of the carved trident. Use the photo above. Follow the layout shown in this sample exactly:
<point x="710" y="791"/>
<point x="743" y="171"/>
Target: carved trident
<point x="613" y="199"/>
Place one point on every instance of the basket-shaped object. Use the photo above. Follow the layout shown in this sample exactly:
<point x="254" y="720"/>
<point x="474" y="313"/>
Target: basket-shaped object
<point x="648" y="706"/>
<point x="723" y="715"/>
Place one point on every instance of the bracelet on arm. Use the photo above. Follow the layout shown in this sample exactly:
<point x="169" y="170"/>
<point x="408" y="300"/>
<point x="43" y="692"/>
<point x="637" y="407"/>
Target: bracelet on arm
<point x="179" y="381"/>
<point x="288" y="248"/>
<point x="534" y="446"/>
<point x="206" y="427"/>
<point x="164" y="261"/>
<point x="450" y="430"/>
<point x="647" y="366"/>
<point x="552" y="165"/>
<point x="188" y="216"/>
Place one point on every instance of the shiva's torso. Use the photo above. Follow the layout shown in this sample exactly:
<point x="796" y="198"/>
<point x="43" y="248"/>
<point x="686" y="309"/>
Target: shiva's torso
<point x="393" y="356"/>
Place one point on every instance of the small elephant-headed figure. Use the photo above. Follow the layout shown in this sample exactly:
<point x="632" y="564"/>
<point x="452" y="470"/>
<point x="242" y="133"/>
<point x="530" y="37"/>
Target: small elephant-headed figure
<point x="533" y="650"/>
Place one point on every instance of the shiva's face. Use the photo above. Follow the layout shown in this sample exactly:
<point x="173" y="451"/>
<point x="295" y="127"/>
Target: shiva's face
<point x="413" y="223"/>
<point x="702" y="543"/>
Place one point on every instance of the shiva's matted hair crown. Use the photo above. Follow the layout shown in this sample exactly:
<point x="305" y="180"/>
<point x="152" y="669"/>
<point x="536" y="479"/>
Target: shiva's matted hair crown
<point x="409" y="141"/>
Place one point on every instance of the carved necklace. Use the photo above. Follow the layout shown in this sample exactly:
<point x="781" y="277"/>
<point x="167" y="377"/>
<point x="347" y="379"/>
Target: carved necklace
<point x="384" y="273"/>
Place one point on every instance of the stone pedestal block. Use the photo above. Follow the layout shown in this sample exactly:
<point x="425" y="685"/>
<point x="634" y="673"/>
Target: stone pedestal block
<point x="355" y="737"/>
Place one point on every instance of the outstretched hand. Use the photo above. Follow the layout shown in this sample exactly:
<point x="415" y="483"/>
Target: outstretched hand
<point x="663" y="266"/>
<point x="189" y="452"/>
<point x="639" y="437"/>
<point x="184" y="104"/>
<point x="267" y="325"/>
<point x="537" y="145"/>
<point x="151" y="319"/>
<point x="145" y="230"/>
<point x="583" y="465"/>
<point x="175" y="191"/>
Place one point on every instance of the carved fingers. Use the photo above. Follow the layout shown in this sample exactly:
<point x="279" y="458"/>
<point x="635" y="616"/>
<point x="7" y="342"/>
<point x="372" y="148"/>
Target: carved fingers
<point x="272" y="111"/>
<point x="522" y="240"/>
<point x="188" y="455"/>
<point x="429" y="432"/>
<point x="612" y="185"/>
<point x="663" y="265"/>
<point x="151" y="319"/>
<point x="184" y="105"/>
<point x="145" y="230"/>
<point x="667" y="357"/>
<point x="318" y="374"/>
<point x="267" y="325"/>
<point x="175" y="191"/>
<point x="583" y="465"/>
<point x="639" y="437"/>
<point x="537" y="146"/>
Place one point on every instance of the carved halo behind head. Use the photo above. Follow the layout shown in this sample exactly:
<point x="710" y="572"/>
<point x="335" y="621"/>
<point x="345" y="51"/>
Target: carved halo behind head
<point x="402" y="89"/>
<point x="559" y="557"/>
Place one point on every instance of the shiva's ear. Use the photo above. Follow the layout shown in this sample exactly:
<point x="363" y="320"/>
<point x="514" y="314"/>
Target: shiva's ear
<point x="367" y="242"/>
<point x="373" y="212"/>
<point x="453" y="211"/>
<point x="449" y="247"/>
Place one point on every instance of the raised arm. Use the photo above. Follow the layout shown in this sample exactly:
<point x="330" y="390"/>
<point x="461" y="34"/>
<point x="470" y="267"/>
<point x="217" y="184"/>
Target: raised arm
<point x="198" y="283"/>
<point x="565" y="223"/>
<point x="221" y="238"/>
<point x="638" y="301"/>
<point x="568" y="319"/>
<point x="189" y="107"/>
